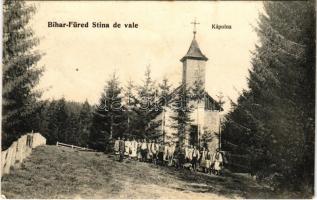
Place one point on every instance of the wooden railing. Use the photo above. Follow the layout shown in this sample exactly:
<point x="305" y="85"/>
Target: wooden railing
<point x="73" y="146"/>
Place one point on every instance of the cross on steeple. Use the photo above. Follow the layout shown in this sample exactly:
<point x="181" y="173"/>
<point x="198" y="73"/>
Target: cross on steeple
<point x="195" y="23"/>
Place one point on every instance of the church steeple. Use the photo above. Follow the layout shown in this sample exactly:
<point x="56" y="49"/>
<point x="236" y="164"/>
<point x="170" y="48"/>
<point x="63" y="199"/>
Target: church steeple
<point x="194" y="51"/>
<point x="194" y="63"/>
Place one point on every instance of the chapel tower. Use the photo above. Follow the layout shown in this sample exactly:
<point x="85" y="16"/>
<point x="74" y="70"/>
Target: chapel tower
<point x="194" y="63"/>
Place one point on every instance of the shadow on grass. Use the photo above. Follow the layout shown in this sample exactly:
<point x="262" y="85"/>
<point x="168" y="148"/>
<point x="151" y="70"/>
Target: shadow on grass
<point x="228" y="185"/>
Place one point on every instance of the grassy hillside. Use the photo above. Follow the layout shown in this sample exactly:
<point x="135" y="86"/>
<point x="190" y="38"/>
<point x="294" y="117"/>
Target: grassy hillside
<point x="57" y="172"/>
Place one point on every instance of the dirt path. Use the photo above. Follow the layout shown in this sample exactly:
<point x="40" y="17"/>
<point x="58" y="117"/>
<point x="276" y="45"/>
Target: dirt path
<point x="53" y="172"/>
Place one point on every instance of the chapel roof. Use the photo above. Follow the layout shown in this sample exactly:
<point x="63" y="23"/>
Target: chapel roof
<point x="194" y="52"/>
<point x="210" y="103"/>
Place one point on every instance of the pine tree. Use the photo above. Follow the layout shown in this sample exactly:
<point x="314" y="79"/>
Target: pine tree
<point x="85" y="118"/>
<point x="109" y="120"/>
<point x="197" y="91"/>
<point x="145" y="126"/>
<point x="164" y="91"/>
<point x="72" y="131"/>
<point x="54" y="122"/>
<point x="220" y="99"/>
<point x="164" y="95"/>
<point x="20" y="74"/>
<point x="181" y="115"/>
<point x="50" y="126"/>
<point x="59" y="120"/>
<point x="129" y="108"/>
<point x="274" y="117"/>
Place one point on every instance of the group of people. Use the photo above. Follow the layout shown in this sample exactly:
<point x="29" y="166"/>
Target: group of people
<point x="169" y="154"/>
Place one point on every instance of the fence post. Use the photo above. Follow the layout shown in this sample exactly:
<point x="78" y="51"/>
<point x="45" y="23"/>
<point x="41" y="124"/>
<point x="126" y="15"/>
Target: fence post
<point x="56" y="143"/>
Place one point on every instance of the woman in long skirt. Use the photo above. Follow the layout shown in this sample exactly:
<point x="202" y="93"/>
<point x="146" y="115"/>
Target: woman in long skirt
<point x="165" y="154"/>
<point x="116" y="149"/>
<point x="134" y="148"/>
<point x="208" y="161"/>
<point x="149" y="151"/>
<point x="203" y="159"/>
<point x="218" y="162"/>
<point x="129" y="147"/>
<point x="171" y="150"/>
<point x="190" y="153"/>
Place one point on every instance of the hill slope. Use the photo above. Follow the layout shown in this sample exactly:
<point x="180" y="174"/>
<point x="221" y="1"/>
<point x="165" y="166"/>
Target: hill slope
<point x="57" y="172"/>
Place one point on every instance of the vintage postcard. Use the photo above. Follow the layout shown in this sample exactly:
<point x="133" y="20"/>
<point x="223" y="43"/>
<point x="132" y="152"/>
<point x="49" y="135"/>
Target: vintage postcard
<point x="158" y="99"/>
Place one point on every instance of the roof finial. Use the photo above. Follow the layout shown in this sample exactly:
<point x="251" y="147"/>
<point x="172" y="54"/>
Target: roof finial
<point x="195" y="23"/>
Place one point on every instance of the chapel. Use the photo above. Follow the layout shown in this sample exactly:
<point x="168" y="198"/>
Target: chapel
<point x="205" y="126"/>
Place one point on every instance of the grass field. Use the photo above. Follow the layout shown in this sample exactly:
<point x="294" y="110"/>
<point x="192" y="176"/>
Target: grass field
<point x="59" y="172"/>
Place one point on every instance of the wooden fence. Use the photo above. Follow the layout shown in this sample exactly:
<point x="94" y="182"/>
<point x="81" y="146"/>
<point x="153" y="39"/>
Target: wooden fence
<point x="19" y="150"/>
<point x="73" y="146"/>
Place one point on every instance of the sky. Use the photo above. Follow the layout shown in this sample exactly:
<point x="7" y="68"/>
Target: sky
<point x="162" y="38"/>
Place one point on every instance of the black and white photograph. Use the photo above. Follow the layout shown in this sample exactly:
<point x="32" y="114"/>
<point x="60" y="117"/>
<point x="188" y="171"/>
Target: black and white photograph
<point x="158" y="99"/>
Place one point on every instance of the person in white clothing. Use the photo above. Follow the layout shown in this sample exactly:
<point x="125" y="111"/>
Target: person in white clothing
<point x="218" y="159"/>
<point x="149" y="151"/>
<point x="171" y="149"/>
<point x="134" y="148"/>
<point x="116" y="148"/>
<point x="187" y="153"/>
<point x="190" y="153"/>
